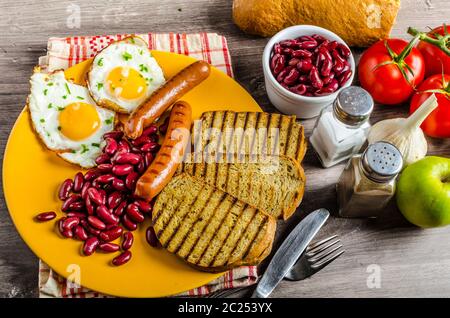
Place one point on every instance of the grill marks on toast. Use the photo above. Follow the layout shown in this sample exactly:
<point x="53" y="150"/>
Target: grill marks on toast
<point x="210" y="229"/>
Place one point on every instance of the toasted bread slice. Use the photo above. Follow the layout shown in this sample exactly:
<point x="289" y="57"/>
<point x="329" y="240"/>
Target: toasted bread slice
<point x="208" y="228"/>
<point x="221" y="133"/>
<point x="275" y="185"/>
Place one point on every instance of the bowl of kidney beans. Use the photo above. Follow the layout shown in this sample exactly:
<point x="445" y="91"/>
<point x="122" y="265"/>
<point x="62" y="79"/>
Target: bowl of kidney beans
<point x="304" y="67"/>
<point x="99" y="207"/>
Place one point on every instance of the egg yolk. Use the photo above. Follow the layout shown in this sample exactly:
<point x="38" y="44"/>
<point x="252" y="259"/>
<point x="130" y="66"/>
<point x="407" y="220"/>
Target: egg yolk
<point x="78" y="121"/>
<point x="126" y="83"/>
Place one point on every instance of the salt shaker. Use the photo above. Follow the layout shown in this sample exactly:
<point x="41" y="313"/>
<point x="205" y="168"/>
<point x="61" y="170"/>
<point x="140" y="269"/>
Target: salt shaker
<point x="367" y="183"/>
<point x="342" y="128"/>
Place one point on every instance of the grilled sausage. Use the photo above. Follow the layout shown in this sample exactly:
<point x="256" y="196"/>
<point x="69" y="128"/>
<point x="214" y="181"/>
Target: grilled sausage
<point x="165" y="96"/>
<point x="170" y="154"/>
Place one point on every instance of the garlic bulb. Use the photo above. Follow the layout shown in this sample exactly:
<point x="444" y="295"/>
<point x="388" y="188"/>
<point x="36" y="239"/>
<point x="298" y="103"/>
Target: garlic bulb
<point x="405" y="133"/>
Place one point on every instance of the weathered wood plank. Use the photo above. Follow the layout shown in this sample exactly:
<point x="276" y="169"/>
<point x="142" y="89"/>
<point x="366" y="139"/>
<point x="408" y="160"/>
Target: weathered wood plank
<point x="413" y="262"/>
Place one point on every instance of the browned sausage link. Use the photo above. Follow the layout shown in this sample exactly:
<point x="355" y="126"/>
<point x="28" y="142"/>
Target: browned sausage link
<point x="165" y="96"/>
<point x="170" y="154"/>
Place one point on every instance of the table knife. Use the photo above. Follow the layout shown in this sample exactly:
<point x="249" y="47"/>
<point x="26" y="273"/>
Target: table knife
<point x="289" y="252"/>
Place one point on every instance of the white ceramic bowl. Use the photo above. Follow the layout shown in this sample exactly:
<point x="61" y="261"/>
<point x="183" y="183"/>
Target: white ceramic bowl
<point x="286" y="101"/>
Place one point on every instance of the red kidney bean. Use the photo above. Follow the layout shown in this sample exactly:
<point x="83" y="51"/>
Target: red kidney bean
<point x="338" y="67"/>
<point x="119" y="184"/>
<point x="86" y="186"/>
<point x="128" y="240"/>
<point x="332" y="45"/>
<point x="299" y="89"/>
<point x="344" y="50"/>
<point x="303" y="79"/>
<point x="120" y="208"/>
<point x="318" y="38"/>
<point x="130" y="225"/>
<point x="301" y="53"/>
<point x="282" y="75"/>
<point x="106" y="178"/>
<point x="67" y="233"/>
<point x="78" y="182"/>
<point x="319" y="60"/>
<point x="163" y="127"/>
<point x="122" y="258"/>
<point x="141" y="140"/>
<point x="322" y="45"/>
<point x="150" y="130"/>
<point x="64" y="189"/>
<point x="327" y="80"/>
<point x="117" y="135"/>
<point x="104" y="167"/>
<point x="337" y="56"/>
<point x="316" y="82"/>
<point x="103" y="195"/>
<point x="150" y="236"/>
<point x="130" y="180"/>
<point x="279" y="65"/>
<point x="274" y="60"/>
<point x="109" y="247"/>
<point x="95" y="196"/>
<point x="92" y="174"/>
<point x="96" y="222"/>
<point x="277" y="48"/>
<point x="70" y="200"/>
<point x="344" y="69"/>
<point x="129" y="157"/>
<point x="293" y="62"/>
<point x="288" y="43"/>
<point x="144" y="207"/>
<point x="76" y="206"/>
<point x="344" y="78"/>
<point x="329" y="89"/>
<point x="292" y="77"/>
<point x="106" y="216"/>
<point x="305" y="38"/>
<point x="287" y="51"/>
<point x="59" y="225"/>
<point x="134" y="213"/>
<point x="141" y="167"/>
<point x="122" y="170"/>
<point x="333" y="85"/>
<point x="90" y="208"/>
<point x="123" y="147"/>
<point x="148" y="158"/>
<point x="79" y="215"/>
<point x="89" y="228"/>
<point x="111" y="146"/>
<point x="80" y="233"/>
<point x="90" y="245"/>
<point x="150" y="146"/>
<point x="112" y="234"/>
<point x="311" y="44"/>
<point x="103" y="158"/>
<point x="45" y="216"/>
<point x="304" y="66"/>
<point x="325" y="70"/>
<point x="114" y="199"/>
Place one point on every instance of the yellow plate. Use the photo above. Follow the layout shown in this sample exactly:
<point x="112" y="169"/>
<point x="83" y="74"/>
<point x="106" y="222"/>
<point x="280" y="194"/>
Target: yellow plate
<point x="32" y="175"/>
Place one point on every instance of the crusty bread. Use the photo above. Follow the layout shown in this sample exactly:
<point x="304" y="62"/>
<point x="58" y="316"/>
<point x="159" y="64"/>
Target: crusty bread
<point x="208" y="228"/>
<point x="358" y="23"/>
<point x="275" y="185"/>
<point x="225" y="133"/>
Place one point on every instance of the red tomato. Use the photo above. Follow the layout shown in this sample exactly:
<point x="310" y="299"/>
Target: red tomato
<point x="436" y="61"/>
<point x="386" y="83"/>
<point x="437" y="123"/>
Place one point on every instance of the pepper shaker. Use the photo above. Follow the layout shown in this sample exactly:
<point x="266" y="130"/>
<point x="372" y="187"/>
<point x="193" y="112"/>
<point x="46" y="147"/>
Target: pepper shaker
<point x="342" y="128"/>
<point x="367" y="183"/>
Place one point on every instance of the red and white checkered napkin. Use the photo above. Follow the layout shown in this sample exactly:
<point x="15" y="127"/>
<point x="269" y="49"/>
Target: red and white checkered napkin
<point x="65" y="52"/>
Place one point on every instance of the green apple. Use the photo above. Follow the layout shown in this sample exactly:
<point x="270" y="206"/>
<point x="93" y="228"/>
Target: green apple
<point x="423" y="192"/>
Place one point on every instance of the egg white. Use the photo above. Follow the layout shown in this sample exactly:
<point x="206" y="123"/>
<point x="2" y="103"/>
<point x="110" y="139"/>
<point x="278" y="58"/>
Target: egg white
<point x="131" y="52"/>
<point x="50" y="94"/>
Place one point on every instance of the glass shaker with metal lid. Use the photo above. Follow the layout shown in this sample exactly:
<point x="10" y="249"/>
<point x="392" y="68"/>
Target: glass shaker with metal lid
<point x="367" y="183"/>
<point x="342" y="128"/>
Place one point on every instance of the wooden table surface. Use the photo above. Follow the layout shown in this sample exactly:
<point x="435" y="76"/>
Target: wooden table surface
<point x="413" y="262"/>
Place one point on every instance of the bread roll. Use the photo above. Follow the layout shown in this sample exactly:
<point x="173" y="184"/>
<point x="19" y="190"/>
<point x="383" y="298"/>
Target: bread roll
<point x="357" y="22"/>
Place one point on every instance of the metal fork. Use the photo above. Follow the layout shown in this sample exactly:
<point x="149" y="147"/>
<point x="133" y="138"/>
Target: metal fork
<point x="317" y="256"/>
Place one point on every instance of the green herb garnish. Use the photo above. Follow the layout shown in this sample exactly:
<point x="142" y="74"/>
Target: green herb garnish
<point x="109" y="120"/>
<point x="79" y="97"/>
<point x="67" y="89"/>
<point x="42" y="120"/>
<point x="127" y="56"/>
<point x="50" y="105"/>
<point x="94" y="144"/>
<point x="84" y="149"/>
<point x="100" y="62"/>
<point x="99" y="86"/>
<point x="45" y="92"/>
<point x="143" y="68"/>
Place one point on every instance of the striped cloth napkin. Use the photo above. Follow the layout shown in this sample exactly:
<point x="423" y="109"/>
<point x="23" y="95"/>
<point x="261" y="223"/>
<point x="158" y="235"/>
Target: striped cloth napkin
<point x="65" y="52"/>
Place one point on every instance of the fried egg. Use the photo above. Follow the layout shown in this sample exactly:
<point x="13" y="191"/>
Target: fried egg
<point x="124" y="75"/>
<point x="67" y="119"/>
